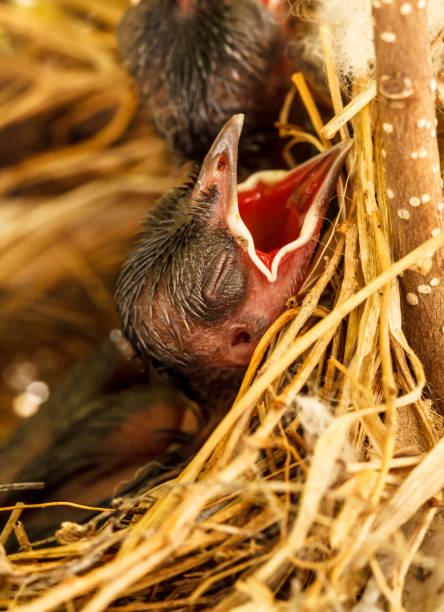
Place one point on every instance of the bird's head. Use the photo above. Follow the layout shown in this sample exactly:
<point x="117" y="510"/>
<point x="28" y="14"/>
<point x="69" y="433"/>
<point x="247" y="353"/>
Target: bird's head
<point x="198" y="62"/>
<point x="217" y="261"/>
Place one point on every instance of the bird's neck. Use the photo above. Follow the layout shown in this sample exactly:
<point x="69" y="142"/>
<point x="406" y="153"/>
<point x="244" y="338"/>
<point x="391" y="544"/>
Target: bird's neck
<point x="214" y="389"/>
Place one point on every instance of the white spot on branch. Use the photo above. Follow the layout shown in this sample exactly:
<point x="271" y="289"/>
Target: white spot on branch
<point x="435" y="169"/>
<point x="403" y="213"/>
<point x="414" y="201"/>
<point x="421" y="4"/>
<point x="433" y="85"/>
<point x="412" y="299"/>
<point x="436" y="231"/>
<point x="388" y="37"/>
<point x="423" y="153"/>
<point x="387" y="127"/>
<point x="425" y="198"/>
<point x="384" y="153"/>
<point x="406" y="8"/>
<point x="434" y="282"/>
<point x="424" y="289"/>
<point x="441" y="207"/>
<point x="414" y="154"/>
<point x="421" y="123"/>
<point x="390" y="194"/>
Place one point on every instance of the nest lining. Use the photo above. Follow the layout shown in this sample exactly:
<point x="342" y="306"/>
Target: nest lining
<point x="320" y="488"/>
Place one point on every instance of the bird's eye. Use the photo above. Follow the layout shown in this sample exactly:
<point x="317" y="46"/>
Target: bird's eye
<point x="220" y="269"/>
<point x="222" y="162"/>
<point x="220" y="278"/>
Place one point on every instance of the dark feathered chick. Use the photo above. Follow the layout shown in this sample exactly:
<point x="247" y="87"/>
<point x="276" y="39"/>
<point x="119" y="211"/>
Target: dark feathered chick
<point x="85" y="381"/>
<point x="105" y="443"/>
<point x="198" y="62"/>
<point x="216" y="263"/>
<point x="101" y="426"/>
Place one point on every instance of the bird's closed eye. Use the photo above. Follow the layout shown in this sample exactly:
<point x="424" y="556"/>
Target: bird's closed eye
<point x="214" y="287"/>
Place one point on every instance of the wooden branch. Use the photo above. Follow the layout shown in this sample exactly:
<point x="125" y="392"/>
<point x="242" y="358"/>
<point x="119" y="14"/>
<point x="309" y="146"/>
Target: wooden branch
<point x="406" y="96"/>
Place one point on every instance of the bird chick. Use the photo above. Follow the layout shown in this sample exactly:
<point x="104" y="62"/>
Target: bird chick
<point x="105" y="430"/>
<point x="198" y="62"/>
<point x="85" y="381"/>
<point x="108" y="441"/>
<point x="216" y="263"/>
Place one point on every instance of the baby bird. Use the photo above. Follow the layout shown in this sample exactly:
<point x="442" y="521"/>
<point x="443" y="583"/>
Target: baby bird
<point x="104" y="432"/>
<point x="216" y="263"/>
<point x="198" y="62"/>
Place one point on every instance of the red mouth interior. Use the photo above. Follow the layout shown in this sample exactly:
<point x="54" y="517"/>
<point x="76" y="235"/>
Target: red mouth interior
<point x="274" y="213"/>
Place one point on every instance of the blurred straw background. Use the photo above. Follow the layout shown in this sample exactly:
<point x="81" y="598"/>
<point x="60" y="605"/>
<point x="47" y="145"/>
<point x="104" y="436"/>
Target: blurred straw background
<point x="327" y="499"/>
<point x="79" y="168"/>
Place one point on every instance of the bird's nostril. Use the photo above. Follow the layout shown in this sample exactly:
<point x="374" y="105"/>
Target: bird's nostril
<point x="242" y="337"/>
<point x="221" y="163"/>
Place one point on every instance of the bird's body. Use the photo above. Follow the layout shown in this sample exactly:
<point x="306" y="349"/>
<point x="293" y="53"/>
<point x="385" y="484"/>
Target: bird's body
<point x="91" y="439"/>
<point x="102" y="449"/>
<point x="81" y="385"/>
<point x="198" y="62"/>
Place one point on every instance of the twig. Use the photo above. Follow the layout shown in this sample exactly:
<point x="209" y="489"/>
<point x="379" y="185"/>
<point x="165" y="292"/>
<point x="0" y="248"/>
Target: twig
<point x="333" y="81"/>
<point x="22" y="537"/>
<point x="20" y="486"/>
<point x="11" y="523"/>
<point x="299" y="80"/>
<point x="415" y="541"/>
<point x="331" y="128"/>
<point x="55" y="504"/>
<point x="406" y="94"/>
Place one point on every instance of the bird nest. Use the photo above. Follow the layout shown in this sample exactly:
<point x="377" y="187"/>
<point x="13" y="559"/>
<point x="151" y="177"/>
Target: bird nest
<point x="320" y="489"/>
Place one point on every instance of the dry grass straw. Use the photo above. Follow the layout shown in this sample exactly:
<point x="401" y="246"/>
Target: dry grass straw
<point x="78" y="170"/>
<point x="321" y="487"/>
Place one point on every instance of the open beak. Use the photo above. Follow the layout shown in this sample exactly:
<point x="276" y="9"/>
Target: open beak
<point x="273" y="213"/>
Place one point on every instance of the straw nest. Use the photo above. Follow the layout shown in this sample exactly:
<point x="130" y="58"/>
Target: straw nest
<point x="320" y="490"/>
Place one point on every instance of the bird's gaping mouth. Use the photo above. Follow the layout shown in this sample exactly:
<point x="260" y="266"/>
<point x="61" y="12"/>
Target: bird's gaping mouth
<point x="273" y="213"/>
